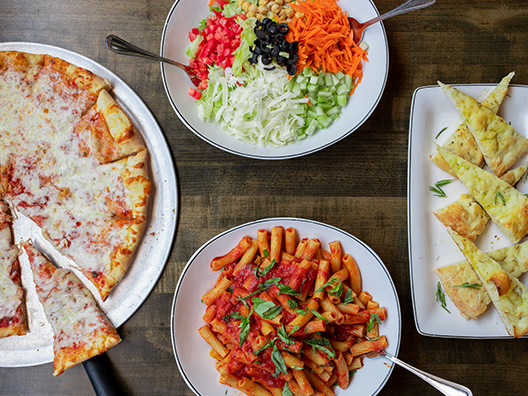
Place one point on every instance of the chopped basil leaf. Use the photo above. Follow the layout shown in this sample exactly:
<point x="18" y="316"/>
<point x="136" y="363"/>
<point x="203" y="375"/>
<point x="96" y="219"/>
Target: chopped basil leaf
<point x="280" y="364"/>
<point x="440" y="296"/>
<point x="374" y="318"/>
<point x="331" y="281"/>
<point x="301" y="311"/>
<point x="266" y="309"/>
<point x="319" y="315"/>
<point x="323" y="345"/>
<point x="283" y="335"/>
<point x="293" y="304"/>
<point x="286" y="391"/>
<point x="285" y="289"/>
<point x="337" y="290"/>
<point x="244" y="327"/>
<point x="348" y="297"/>
<point x="266" y="346"/>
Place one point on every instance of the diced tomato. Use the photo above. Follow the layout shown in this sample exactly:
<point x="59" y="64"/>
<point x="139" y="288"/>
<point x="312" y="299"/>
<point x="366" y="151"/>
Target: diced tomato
<point x="195" y="94"/>
<point x="221" y="38"/>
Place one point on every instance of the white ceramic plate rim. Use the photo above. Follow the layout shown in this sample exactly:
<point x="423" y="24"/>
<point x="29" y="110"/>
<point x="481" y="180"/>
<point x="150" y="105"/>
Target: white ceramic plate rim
<point x="429" y="243"/>
<point x="155" y="247"/>
<point x="391" y="327"/>
<point x="367" y="95"/>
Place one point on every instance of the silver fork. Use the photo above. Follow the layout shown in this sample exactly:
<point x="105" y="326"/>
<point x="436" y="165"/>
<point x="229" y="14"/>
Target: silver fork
<point x="448" y="388"/>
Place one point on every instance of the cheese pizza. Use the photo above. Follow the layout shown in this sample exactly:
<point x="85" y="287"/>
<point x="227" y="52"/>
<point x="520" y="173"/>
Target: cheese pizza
<point x="71" y="161"/>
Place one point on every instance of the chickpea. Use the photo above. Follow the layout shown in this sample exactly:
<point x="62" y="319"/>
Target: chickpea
<point x="299" y="14"/>
<point x="263" y="2"/>
<point x="290" y="12"/>
<point x="279" y="2"/>
<point x="245" y="5"/>
<point x="253" y="8"/>
<point x="260" y="16"/>
<point x="262" y="10"/>
<point x="240" y="2"/>
<point x="282" y="13"/>
<point x="275" y="8"/>
<point x="251" y="14"/>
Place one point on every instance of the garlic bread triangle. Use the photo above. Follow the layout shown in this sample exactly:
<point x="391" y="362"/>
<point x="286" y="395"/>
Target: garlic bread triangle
<point x="499" y="142"/>
<point x="507" y="207"/>
<point x="461" y="142"/>
<point x="508" y="294"/>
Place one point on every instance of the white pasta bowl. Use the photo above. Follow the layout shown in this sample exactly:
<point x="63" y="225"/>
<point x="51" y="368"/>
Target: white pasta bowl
<point x="192" y="352"/>
<point x="187" y="14"/>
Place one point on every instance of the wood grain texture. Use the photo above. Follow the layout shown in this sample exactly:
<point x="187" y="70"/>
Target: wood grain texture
<point x="358" y="184"/>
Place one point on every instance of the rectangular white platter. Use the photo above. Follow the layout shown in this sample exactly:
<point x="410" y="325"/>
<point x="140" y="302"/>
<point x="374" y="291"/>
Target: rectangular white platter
<point x="430" y="246"/>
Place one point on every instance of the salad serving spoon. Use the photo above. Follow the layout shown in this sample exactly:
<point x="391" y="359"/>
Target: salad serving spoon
<point x="122" y="47"/>
<point x="447" y="388"/>
<point x="410" y="5"/>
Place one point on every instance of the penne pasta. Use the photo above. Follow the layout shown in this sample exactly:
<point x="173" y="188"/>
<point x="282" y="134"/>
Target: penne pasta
<point x="289" y="316"/>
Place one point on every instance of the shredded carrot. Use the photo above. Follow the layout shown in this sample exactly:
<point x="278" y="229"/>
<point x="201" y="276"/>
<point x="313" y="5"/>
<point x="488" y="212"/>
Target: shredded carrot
<point x="211" y="2"/>
<point x="325" y="39"/>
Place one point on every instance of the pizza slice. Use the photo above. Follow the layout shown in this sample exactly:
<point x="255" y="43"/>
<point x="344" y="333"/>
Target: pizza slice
<point x="499" y="142"/>
<point x="508" y="294"/>
<point x="101" y="247"/>
<point x="13" y="318"/>
<point x="61" y="95"/>
<point x="506" y="206"/>
<point x="81" y="329"/>
<point x="106" y="132"/>
<point x="461" y="142"/>
<point x="462" y="285"/>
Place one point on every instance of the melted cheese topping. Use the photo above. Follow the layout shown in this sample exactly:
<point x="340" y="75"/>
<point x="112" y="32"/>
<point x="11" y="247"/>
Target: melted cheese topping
<point x="10" y="293"/>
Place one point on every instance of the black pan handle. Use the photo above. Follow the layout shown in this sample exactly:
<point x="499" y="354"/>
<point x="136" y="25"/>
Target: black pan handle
<point x="100" y="373"/>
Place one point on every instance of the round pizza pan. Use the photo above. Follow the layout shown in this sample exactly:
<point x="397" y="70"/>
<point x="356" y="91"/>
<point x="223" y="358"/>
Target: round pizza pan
<point x="36" y="347"/>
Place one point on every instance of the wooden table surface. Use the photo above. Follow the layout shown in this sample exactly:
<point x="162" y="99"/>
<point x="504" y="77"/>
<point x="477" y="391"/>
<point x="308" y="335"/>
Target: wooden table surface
<point x="358" y="184"/>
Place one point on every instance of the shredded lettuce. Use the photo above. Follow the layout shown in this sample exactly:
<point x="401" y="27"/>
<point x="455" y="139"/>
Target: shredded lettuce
<point x="258" y="107"/>
<point x="243" y="52"/>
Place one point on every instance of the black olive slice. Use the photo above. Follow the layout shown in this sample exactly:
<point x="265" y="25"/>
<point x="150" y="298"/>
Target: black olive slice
<point x="292" y="60"/>
<point x="291" y="69"/>
<point x="275" y="51"/>
<point x="283" y="28"/>
<point x="282" y="61"/>
<point x="294" y="47"/>
<point x="266" y="59"/>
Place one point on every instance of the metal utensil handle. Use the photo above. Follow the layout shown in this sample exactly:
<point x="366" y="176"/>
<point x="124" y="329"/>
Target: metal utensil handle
<point x="99" y="372"/>
<point x="446" y="387"/>
<point x="123" y="47"/>
<point x="410" y="5"/>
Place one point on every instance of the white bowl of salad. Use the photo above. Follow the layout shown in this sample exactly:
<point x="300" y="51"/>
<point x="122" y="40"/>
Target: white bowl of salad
<point x="274" y="84"/>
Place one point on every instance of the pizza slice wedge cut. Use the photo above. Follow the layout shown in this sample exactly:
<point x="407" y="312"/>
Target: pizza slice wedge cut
<point x="81" y="329"/>
<point x="507" y="207"/>
<point x="461" y="142"/>
<point x="508" y="294"/>
<point x="101" y="247"/>
<point x="501" y="145"/>
<point x="13" y="318"/>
